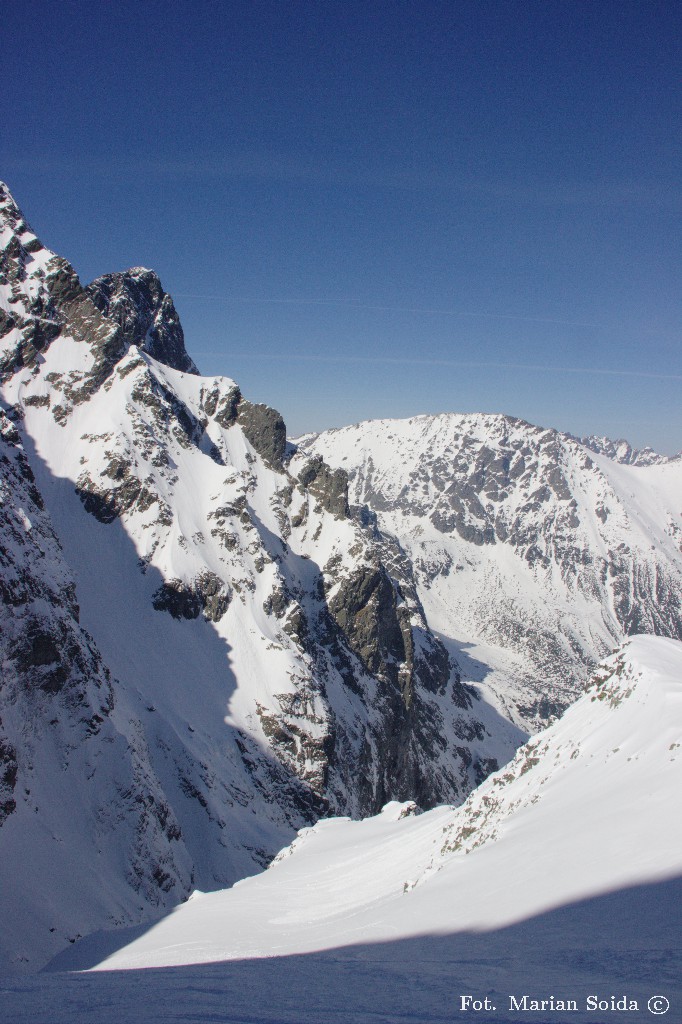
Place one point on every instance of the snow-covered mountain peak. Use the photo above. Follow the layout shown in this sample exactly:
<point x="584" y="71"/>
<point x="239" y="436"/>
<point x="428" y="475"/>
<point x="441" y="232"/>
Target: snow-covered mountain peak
<point x="13" y="226"/>
<point x="532" y="552"/>
<point x="266" y="645"/>
<point x="42" y="302"/>
<point x="623" y="452"/>
<point x="136" y="300"/>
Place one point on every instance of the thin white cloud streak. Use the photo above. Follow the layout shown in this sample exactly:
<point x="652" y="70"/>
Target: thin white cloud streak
<point x="388" y="309"/>
<point x="283" y="166"/>
<point x="455" y="363"/>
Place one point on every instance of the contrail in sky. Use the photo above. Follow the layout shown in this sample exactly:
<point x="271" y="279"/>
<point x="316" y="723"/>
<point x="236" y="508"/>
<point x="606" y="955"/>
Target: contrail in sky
<point x="398" y="360"/>
<point x="386" y="309"/>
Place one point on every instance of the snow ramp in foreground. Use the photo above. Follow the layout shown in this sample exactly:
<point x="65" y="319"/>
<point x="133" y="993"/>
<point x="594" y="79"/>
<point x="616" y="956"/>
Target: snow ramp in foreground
<point x="589" y="806"/>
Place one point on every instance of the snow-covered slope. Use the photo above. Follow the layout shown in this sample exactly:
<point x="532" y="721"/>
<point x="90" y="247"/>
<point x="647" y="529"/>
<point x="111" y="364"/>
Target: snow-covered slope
<point x="533" y="556"/>
<point x="268" y="656"/>
<point x="589" y="806"/>
<point x="76" y="782"/>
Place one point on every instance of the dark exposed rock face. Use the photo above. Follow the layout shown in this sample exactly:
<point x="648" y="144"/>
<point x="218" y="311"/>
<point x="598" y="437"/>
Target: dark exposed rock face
<point x="207" y="595"/>
<point x="377" y="610"/>
<point x="9" y="768"/>
<point x="135" y="300"/>
<point x="107" y="503"/>
<point x="264" y="429"/>
<point x="221" y="404"/>
<point x="329" y="486"/>
<point x="366" y="608"/>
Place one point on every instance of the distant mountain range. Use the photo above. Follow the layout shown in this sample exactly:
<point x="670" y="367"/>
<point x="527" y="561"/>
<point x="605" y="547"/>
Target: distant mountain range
<point x="532" y="554"/>
<point x="212" y="637"/>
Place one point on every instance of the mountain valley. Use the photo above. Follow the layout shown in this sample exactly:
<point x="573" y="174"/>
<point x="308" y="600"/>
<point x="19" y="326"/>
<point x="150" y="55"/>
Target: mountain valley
<point x="213" y="636"/>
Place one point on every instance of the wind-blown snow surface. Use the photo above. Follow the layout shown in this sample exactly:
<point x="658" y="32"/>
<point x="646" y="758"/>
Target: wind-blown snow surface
<point x="559" y="876"/>
<point x="533" y="555"/>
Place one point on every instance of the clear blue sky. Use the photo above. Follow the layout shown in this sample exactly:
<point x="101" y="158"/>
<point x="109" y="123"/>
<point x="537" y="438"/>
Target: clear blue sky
<point x="369" y="209"/>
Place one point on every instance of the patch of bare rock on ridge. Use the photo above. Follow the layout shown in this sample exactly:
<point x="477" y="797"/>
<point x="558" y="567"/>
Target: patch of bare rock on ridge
<point x="137" y="302"/>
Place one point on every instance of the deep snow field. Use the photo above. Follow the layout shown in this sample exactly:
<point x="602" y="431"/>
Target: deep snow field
<point x="559" y="879"/>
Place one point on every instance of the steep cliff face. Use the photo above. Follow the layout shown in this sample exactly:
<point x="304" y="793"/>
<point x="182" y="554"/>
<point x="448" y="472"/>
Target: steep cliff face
<point x="76" y="781"/>
<point x="266" y="649"/>
<point x="532" y="553"/>
<point x="136" y="301"/>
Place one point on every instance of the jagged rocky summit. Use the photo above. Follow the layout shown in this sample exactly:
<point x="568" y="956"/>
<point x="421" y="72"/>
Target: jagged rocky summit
<point x="204" y="646"/>
<point x="623" y="452"/>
